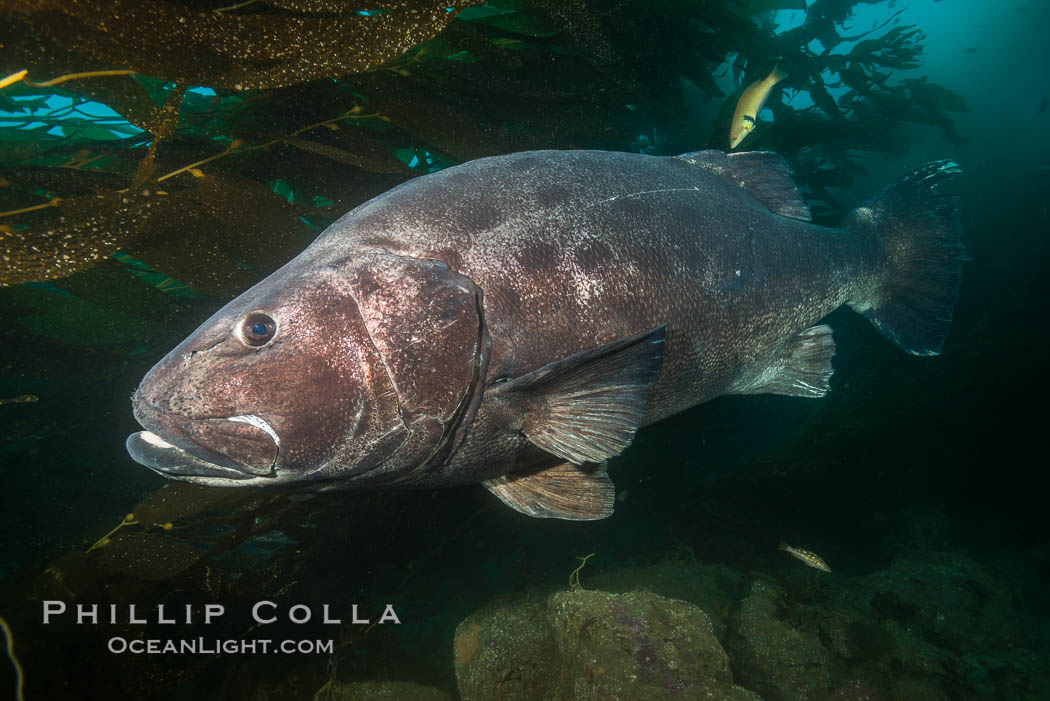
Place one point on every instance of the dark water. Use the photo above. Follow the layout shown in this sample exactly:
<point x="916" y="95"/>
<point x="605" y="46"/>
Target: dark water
<point x="919" y="480"/>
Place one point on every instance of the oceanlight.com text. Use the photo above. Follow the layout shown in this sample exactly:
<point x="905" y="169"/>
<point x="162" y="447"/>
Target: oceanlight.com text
<point x="214" y="646"/>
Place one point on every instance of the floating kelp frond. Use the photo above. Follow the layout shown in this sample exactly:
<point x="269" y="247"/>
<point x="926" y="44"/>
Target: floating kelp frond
<point x="247" y="49"/>
<point x="899" y="48"/>
<point x="91" y="229"/>
<point x="216" y="233"/>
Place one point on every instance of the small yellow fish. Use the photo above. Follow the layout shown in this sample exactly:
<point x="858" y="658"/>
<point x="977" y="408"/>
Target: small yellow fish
<point x="812" y="559"/>
<point x="750" y="104"/>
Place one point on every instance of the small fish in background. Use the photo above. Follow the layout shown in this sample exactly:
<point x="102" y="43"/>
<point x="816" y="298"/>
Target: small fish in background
<point x="750" y="104"/>
<point x="812" y="559"/>
<point x="1042" y="106"/>
<point x="970" y="50"/>
<point x="22" y="399"/>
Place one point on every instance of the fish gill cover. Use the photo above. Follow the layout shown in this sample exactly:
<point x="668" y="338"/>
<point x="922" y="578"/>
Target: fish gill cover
<point x="157" y="157"/>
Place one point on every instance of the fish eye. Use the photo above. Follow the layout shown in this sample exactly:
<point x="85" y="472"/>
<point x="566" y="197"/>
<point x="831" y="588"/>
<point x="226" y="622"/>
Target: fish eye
<point x="258" y="329"/>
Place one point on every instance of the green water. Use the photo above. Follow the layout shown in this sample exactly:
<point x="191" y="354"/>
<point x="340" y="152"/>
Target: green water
<point x="241" y="134"/>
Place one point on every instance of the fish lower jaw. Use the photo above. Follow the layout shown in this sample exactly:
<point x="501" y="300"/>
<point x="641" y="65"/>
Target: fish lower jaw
<point x="153" y="451"/>
<point x="154" y="440"/>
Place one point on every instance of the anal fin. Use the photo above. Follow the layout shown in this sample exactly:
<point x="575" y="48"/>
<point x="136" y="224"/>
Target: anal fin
<point x="803" y="368"/>
<point x="564" y="491"/>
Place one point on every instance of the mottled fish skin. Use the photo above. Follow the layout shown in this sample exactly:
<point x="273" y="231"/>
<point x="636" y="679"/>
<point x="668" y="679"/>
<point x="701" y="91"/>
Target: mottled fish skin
<point x="810" y="558"/>
<point x="407" y="333"/>
<point x="575" y="249"/>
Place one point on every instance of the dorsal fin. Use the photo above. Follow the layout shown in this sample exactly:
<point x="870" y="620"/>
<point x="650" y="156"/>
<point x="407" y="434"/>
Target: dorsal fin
<point x="764" y="174"/>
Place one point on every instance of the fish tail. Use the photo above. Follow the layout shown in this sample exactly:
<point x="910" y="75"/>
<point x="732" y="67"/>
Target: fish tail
<point x="777" y="74"/>
<point x="920" y="236"/>
<point x="783" y="546"/>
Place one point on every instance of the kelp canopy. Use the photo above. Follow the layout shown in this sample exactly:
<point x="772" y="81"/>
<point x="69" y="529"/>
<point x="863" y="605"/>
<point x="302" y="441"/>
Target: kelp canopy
<point x="206" y="144"/>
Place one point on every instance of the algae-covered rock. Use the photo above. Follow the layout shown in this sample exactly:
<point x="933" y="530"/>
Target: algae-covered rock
<point x="506" y="651"/>
<point x="383" y="691"/>
<point x="639" y="646"/>
<point x="780" y="661"/>
<point x="586" y="645"/>
<point x="715" y="588"/>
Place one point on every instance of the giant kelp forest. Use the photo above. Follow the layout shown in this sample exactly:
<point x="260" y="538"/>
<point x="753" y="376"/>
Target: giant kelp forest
<point x="315" y="105"/>
<point x="158" y="157"/>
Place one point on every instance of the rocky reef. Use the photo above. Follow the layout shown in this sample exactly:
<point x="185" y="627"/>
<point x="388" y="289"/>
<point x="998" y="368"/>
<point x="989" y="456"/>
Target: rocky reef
<point x="593" y="645"/>
<point x="934" y="624"/>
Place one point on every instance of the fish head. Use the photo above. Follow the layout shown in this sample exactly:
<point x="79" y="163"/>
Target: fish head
<point x="740" y="130"/>
<point x="329" y="371"/>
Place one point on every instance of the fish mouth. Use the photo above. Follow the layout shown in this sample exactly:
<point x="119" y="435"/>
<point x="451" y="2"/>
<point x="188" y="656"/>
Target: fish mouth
<point x="233" y="450"/>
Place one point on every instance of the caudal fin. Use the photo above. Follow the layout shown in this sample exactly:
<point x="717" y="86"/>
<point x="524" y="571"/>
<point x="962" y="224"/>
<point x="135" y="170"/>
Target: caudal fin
<point x="920" y="233"/>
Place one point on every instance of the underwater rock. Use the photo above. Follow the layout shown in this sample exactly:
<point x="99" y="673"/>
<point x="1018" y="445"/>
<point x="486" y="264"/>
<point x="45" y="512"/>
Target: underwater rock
<point x="715" y="588"/>
<point x="934" y="624"/>
<point x="588" y="644"/>
<point x="911" y="688"/>
<point x="953" y="602"/>
<point x="383" y="691"/>
<point x="856" y="690"/>
<point x="855" y="637"/>
<point x="506" y="651"/>
<point x="770" y="655"/>
<point x="639" y="646"/>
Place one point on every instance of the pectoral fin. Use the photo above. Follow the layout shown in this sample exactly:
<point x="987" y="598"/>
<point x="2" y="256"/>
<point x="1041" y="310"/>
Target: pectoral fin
<point x="563" y="491"/>
<point x="586" y="407"/>
<point x="803" y="368"/>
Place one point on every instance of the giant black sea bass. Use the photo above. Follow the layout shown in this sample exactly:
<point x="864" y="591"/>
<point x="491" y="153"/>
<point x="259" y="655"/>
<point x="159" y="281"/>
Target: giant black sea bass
<point x="515" y="320"/>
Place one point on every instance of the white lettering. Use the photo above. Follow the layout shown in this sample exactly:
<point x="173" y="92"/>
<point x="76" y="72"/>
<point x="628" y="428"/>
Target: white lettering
<point x="87" y="612"/>
<point x="304" y="617"/>
<point x="259" y="605"/>
<point x="53" y="608"/>
<point x="389" y="615"/>
<point x="213" y="611"/>
<point x="131" y="616"/>
<point x="353" y="610"/>
<point x="327" y="616"/>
